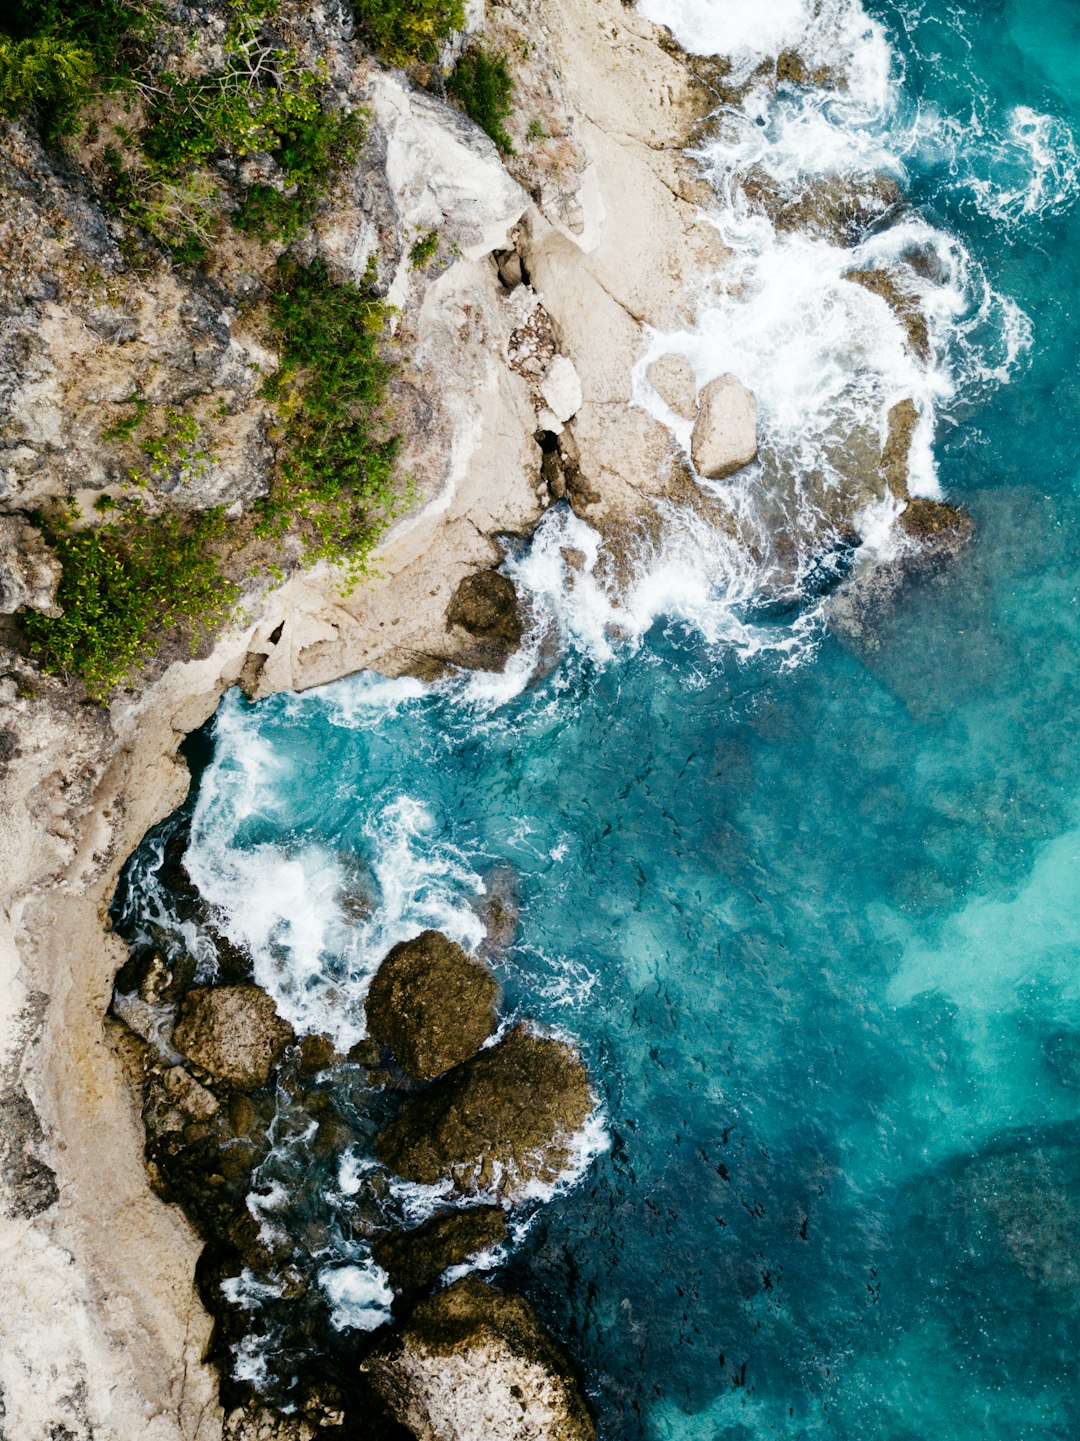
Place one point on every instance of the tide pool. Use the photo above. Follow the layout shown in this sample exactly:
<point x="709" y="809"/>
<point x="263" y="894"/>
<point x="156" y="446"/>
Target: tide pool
<point x="809" y="907"/>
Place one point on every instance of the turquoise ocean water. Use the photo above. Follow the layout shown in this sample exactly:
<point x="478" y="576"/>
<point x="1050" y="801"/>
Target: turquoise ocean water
<point x="810" y="908"/>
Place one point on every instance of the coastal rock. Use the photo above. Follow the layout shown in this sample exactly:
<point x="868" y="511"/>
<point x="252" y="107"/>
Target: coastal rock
<point x="936" y="525"/>
<point x="561" y="389"/>
<point x="725" y="433"/>
<point x="233" y="1033"/>
<point x="902" y="420"/>
<point x="672" y="377"/>
<point x="473" y="1364"/>
<point x="29" y="572"/>
<point x="500" y="1122"/>
<point x="837" y="207"/>
<point x="432" y="1004"/>
<point x="485" y="605"/>
<point x="901" y="302"/>
<point x="414" y="1260"/>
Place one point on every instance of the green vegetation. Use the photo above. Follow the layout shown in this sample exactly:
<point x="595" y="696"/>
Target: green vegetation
<point x="424" y="249"/>
<point x="482" y="85"/>
<point x="536" y="131"/>
<point x="53" y="52"/>
<point x="405" y="30"/>
<point x="124" y="585"/>
<point x="337" y="478"/>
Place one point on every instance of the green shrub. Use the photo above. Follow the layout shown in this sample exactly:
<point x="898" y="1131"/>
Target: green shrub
<point x="336" y="481"/>
<point x="43" y="73"/>
<point x="124" y="586"/>
<point x="404" y="30"/>
<point x="482" y="85"/>
<point x="424" y="250"/>
<point x="52" y="52"/>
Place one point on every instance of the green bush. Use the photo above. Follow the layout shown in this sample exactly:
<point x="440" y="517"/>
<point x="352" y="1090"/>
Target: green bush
<point x="124" y="586"/>
<point x="52" y="52"/>
<point x="482" y="85"/>
<point x="43" y="73"/>
<point x="336" y="480"/>
<point x="404" y="30"/>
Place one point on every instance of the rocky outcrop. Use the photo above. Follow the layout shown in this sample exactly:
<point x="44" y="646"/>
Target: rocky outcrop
<point x="414" y="1260"/>
<point x="485" y="606"/>
<point x="903" y="304"/>
<point x="472" y="1364"/>
<point x="233" y="1033"/>
<point x="838" y="208"/>
<point x="937" y="526"/>
<point x="499" y="1123"/>
<point x="672" y="377"/>
<point x="901" y="423"/>
<point x="432" y="1005"/>
<point x="29" y="572"/>
<point x="724" y="439"/>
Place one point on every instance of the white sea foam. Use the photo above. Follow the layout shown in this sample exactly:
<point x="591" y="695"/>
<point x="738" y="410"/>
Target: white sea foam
<point x="359" y="1294"/>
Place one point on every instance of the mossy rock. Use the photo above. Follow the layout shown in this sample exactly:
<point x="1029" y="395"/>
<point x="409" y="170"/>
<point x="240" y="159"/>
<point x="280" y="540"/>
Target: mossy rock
<point x="500" y="1122"/>
<point x="474" y="1364"/>
<point x="486" y="605"/>
<point x="903" y="418"/>
<point x="414" y="1260"/>
<point x="936" y="524"/>
<point x="232" y="1033"/>
<point x="840" y="208"/>
<point x="432" y="1004"/>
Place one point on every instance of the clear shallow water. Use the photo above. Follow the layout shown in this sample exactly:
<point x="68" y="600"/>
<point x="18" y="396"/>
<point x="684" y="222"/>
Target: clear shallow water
<point x="814" y="924"/>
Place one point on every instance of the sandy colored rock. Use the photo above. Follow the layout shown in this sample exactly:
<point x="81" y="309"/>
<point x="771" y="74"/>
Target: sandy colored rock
<point x="473" y="1364"/>
<point x="725" y="432"/>
<point x="432" y="1004"/>
<point x="672" y="377"/>
<point x="233" y="1033"/>
<point x="561" y="389"/>
<point x="499" y="1122"/>
<point x="29" y="572"/>
<point x="414" y="1260"/>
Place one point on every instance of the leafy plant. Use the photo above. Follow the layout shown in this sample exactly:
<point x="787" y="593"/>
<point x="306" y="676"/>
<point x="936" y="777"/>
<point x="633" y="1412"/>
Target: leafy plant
<point x="336" y="479"/>
<point x="424" y="250"/>
<point x="404" y="30"/>
<point x="536" y="131"/>
<point x="43" y="73"/>
<point x="123" y="586"/>
<point x="483" y="86"/>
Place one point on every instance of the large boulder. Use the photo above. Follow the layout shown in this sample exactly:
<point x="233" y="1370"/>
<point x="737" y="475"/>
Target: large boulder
<point x="473" y="1364"/>
<point x="725" y="432"/>
<point x="485" y="615"/>
<point x="432" y="1004"/>
<point x="500" y="1122"/>
<point x="414" y="1260"/>
<point x="233" y="1033"/>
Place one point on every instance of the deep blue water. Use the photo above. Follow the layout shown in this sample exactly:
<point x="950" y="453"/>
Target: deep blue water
<point x="816" y="928"/>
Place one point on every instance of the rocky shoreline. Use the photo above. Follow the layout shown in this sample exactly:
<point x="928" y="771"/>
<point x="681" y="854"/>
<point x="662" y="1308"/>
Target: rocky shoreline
<point x="521" y="344"/>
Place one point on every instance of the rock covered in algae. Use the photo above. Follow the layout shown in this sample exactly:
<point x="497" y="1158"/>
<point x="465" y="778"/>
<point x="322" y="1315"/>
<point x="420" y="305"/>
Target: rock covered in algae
<point x="432" y="1004"/>
<point x="725" y="432"/>
<point x="474" y="1364"/>
<point x="840" y="208"/>
<point x="499" y="1122"/>
<point x="414" y="1260"/>
<point x="936" y="525"/>
<point x="233" y="1033"/>
<point x="486" y="605"/>
<point x="903" y="304"/>
<point x="903" y="418"/>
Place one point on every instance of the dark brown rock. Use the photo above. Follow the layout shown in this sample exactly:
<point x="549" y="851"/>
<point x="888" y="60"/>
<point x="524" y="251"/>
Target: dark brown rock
<point x="903" y="418"/>
<point x="486" y="605"/>
<point x="936" y="524"/>
<point x="838" y="207"/>
<point x="500" y="1121"/>
<point x="432" y="1004"/>
<point x="414" y="1260"/>
<point x="474" y="1364"/>
<point x="232" y="1033"/>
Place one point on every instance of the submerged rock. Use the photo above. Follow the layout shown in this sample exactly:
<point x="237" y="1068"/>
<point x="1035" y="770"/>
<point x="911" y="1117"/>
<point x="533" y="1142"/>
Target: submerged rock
<point x="1062" y="1052"/>
<point x="672" y="377"/>
<point x="499" y="1122"/>
<point x="416" y="1259"/>
<point x="725" y="433"/>
<point x="901" y="302"/>
<point x="473" y="1364"/>
<point x="432" y="1004"/>
<point x="233" y="1033"/>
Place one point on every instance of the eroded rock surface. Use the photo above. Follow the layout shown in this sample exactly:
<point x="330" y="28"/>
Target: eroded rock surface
<point x="725" y="433"/>
<point x="414" y="1260"/>
<point x="500" y="1122"/>
<point x="473" y="1364"/>
<point x="672" y="377"/>
<point x="233" y="1033"/>
<point x="432" y="1004"/>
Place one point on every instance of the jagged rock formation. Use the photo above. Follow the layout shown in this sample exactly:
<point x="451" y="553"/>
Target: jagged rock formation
<point x="232" y="1033"/>
<point x="416" y="1259"/>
